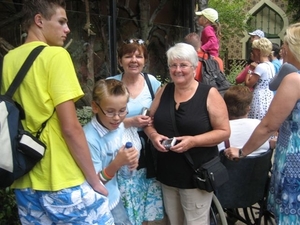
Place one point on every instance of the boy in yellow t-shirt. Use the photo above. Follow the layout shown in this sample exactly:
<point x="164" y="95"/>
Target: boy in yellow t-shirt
<point x="63" y="187"/>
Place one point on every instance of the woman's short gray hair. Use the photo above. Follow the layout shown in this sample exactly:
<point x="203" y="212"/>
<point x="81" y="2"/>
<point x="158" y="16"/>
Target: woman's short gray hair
<point x="183" y="51"/>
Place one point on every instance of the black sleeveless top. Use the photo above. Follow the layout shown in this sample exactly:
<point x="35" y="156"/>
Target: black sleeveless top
<point x="191" y="119"/>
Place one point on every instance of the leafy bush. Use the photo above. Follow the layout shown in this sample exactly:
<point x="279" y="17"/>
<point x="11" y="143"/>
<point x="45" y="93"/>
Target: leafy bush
<point x="84" y="114"/>
<point x="234" y="71"/>
<point x="8" y="207"/>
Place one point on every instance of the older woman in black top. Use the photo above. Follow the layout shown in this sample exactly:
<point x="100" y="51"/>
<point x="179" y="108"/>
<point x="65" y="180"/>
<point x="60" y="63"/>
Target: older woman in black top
<point x="202" y="122"/>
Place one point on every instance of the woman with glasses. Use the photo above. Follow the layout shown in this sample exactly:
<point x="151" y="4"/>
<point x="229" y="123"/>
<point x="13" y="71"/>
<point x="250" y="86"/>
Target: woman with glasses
<point x="141" y="194"/>
<point x="104" y="136"/>
<point x="201" y="118"/>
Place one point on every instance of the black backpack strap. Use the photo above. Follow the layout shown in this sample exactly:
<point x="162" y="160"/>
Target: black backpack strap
<point x="23" y="70"/>
<point x="149" y="85"/>
<point x="39" y="132"/>
<point x="201" y="59"/>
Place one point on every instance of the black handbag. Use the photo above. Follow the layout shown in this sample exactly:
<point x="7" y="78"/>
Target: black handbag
<point x="210" y="175"/>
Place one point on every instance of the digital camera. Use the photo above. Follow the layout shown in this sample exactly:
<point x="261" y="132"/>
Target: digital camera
<point x="145" y="111"/>
<point x="168" y="143"/>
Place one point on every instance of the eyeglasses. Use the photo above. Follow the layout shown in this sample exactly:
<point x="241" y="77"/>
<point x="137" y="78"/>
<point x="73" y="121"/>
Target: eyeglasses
<point x="113" y="114"/>
<point x="131" y="41"/>
<point x="181" y="66"/>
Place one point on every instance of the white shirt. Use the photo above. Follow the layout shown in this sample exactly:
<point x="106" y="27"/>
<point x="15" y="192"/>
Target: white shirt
<point x="241" y="130"/>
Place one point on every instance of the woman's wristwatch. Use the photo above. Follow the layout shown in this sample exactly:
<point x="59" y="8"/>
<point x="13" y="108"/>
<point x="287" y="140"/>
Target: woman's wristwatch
<point x="241" y="154"/>
<point x="250" y="71"/>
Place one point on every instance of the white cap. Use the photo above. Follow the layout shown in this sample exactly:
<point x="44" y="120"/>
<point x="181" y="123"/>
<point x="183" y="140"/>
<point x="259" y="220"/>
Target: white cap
<point x="258" y="33"/>
<point x="210" y="14"/>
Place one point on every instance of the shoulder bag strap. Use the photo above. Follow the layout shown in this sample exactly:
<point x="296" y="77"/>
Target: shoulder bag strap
<point x="20" y="77"/>
<point x="23" y="71"/>
<point x="172" y="115"/>
<point x="149" y="85"/>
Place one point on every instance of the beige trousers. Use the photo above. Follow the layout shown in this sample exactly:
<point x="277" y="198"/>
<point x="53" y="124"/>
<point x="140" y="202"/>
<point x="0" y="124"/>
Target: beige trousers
<point x="187" y="206"/>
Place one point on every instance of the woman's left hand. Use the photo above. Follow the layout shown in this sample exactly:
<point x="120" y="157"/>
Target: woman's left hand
<point x="232" y="153"/>
<point x="139" y="121"/>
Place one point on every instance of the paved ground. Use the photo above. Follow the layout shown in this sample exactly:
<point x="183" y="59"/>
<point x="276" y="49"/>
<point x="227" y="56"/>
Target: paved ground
<point x="164" y="222"/>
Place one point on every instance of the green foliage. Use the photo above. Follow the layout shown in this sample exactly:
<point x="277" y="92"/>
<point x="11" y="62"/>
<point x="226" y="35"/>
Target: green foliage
<point x="293" y="8"/>
<point x="232" y="17"/>
<point x="84" y="114"/>
<point x="8" y="207"/>
<point x="234" y="71"/>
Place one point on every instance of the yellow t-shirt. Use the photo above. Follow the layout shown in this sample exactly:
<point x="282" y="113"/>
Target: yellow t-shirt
<point x="51" y="80"/>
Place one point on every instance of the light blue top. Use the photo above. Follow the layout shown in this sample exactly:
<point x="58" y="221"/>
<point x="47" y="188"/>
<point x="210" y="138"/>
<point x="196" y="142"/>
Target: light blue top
<point x="144" y="99"/>
<point x="103" y="150"/>
<point x="277" y="64"/>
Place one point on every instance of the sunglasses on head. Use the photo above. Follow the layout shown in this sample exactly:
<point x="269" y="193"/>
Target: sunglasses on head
<point x="131" y="41"/>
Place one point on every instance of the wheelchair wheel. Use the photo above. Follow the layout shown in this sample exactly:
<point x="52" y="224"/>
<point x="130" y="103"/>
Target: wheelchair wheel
<point x="217" y="215"/>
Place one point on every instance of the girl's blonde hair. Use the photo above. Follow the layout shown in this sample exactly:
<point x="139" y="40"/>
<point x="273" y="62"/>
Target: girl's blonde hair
<point x="264" y="45"/>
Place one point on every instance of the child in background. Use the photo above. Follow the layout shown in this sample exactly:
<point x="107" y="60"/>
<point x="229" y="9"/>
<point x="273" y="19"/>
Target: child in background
<point x="209" y="20"/>
<point x="104" y="135"/>
<point x="194" y="40"/>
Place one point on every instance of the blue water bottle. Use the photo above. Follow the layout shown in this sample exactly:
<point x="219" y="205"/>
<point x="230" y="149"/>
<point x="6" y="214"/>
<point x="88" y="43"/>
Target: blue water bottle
<point x="125" y="171"/>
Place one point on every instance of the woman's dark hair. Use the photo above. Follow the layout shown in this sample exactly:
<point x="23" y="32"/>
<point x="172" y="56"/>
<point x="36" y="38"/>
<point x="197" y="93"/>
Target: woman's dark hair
<point x="276" y="50"/>
<point x="130" y="46"/>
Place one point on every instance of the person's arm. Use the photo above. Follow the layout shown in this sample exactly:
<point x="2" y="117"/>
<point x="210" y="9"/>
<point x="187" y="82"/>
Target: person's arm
<point x="211" y="41"/>
<point x="241" y="77"/>
<point x="75" y="139"/>
<point x="219" y="120"/>
<point x="124" y="157"/>
<point x="253" y="76"/>
<point x="137" y="121"/>
<point x="280" y="108"/>
<point x="251" y="79"/>
<point x="141" y="121"/>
